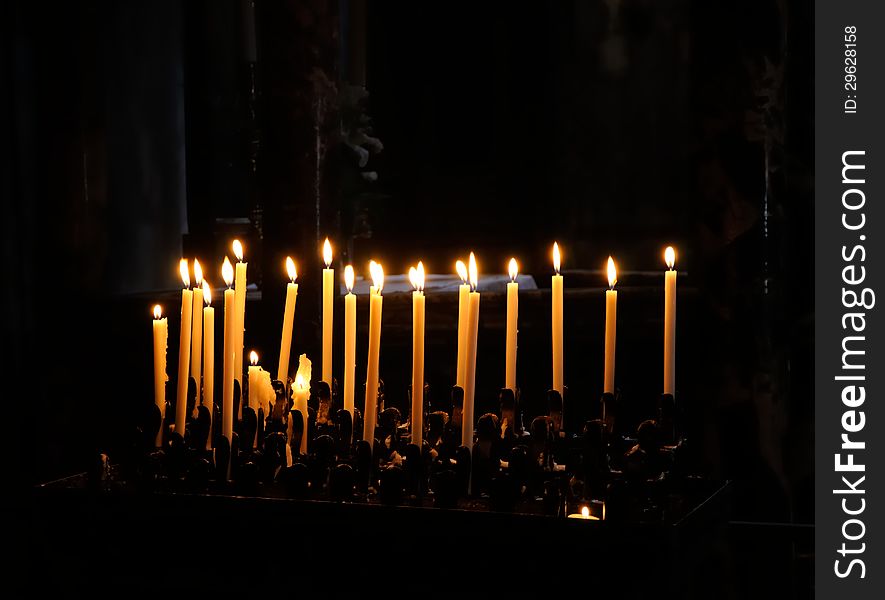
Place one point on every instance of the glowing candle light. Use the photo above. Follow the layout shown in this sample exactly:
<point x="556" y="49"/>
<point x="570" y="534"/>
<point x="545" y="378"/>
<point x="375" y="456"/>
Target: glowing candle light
<point x="512" y="319"/>
<point x="375" y="305"/>
<point x="556" y="294"/>
<point x="416" y="277"/>
<point x="670" y="322"/>
<point x="611" y="318"/>
<point x="240" y="312"/>
<point x="209" y="359"/>
<point x="184" y="348"/>
<point x="300" y="395"/>
<point x="161" y="338"/>
<point x="288" y="320"/>
<point x="230" y="340"/>
<point x="472" y="339"/>
<point x="328" y="297"/>
<point x="349" y="339"/>
<point x="463" y="302"/>
<point x="197" y="329"/>
<point x="259" y="386"/>
<point x="584" y="514"/>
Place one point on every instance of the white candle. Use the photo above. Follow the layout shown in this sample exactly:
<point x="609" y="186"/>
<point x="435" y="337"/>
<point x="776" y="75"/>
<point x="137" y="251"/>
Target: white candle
<point x="240" y="316"/>
<point x="288" y="321"/>
<point x="556" y="295"/>
<point x="670" y="322"/>
<point x="300" y="395"/>
<point x="463" y="302"/>
<point x="197" y="330"/>
<point x="611" y="318"/>
<point x="349" y="339"/>
<point x="230" y="321"/>
<point x="416" y="276"/>
<point x="254" y="391"/>
<point x="375" y="305"/>
<point x="209" y="360"/>
<point x="472" y="339"/>
<point x="512" y="319"/>
<point x="328" y="312"/>
<point x="584" y="514"/>
<point x="184" y="348"/>
<point x="161" y="338"/>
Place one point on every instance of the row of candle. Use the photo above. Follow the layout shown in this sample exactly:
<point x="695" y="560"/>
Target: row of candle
<point x="196" y="343"/>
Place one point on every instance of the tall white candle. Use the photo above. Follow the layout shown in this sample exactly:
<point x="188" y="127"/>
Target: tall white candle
<point x="670" y="322"/>
<point x="161" y="338"/>
<point x="349" y="339"/>
<point x="375" y="305"/>
<point x="254" y="395"/>
<point x="556" y="295"/>
<point x="611" y="322"/>
<point x="416" y="276"/>
<point x="328" y="312"/>
<point x="184" y="348"/>
<point x="197" y="330"/>
<point x="472" y="340"/>
<point x="209" y="360"/>
<point x="230" y="339"/>
<point x="463" y="302"/>
<point x="288" y="321"/>
<point x="240" y="312"/>
<point x="512" y="319"/>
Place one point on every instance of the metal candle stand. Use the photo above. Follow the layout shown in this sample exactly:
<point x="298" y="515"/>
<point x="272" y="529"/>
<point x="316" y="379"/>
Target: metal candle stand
<point x="579" y="454"/>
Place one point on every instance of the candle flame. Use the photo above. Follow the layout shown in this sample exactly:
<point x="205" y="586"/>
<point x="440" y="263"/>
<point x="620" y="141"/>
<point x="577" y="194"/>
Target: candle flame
<point x="612" y="273"/>
<point x="348" y="278"/>
<point x="603" y="511"/>
<point x="513" y="269"/>
<point x="670" y="257"/>
<point x="556" y="258"/>
<point x="461" y="269"/>
<point x="207" y="293"/>
<point x="198" y="273"/>
<point x="585" y="511"/>
<point x="327" y="253"/>
<point x="185" y="272"/>
<point x="299" y="382"/>
<point x="238" y="250"/>
<point x="158" y="312"/>
<point x="413" y="277"/>
<point x="290" y="269"/>
<point x="474" y="273"/>
<point x="227" y="272"/>
<point x="416" y="277"/>
<point x="253" y="358"/>
<point x="377" y="276"/>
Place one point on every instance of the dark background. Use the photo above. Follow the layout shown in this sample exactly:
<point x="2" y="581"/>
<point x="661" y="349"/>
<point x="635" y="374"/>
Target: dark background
<point x="135" y="132"/>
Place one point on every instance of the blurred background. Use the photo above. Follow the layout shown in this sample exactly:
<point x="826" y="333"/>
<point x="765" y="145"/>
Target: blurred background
<point x="138" y="132"/>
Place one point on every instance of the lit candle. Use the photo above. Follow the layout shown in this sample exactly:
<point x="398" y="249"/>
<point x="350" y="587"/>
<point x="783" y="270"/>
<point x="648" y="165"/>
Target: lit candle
<point x="584" y="514"/>
<point x="300" y="395"/>
<point x="416" y="277"/>
<point x="209" y="359"/>
<point x="328" y="295"/>
<point x="254" y="390"/>
<point x="611" y="321"/>
<point x="288" y="321"/>
<point x="161" y="337"/>
<point x="240" y="316"/>
<point x="197" y="329"/>
<point x="184" y="348"/>
<point x="230" y="321"/>
<point x="556" y="293"/>
<point x="472" y="338"/>
<point x="670" y="322"/>
<point x="349" y="339"/>
<point x="463" y="301"/>
<point x="512" y="319"/>
<point x="375" y="304"/>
